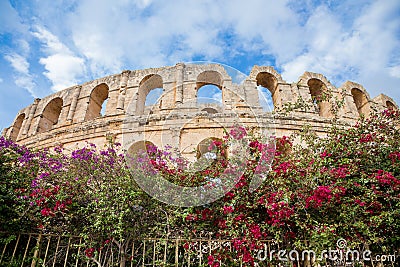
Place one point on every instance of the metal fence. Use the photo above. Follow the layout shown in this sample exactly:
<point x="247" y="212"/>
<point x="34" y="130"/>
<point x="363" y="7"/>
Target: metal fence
<point x="35" y="249"/>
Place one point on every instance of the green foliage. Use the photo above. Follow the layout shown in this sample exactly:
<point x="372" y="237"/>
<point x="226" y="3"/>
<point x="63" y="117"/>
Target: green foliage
<point x="344" y="185"/>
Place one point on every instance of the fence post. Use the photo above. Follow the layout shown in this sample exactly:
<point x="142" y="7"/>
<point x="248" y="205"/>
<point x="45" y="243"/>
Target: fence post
<point x="177" y="252"/>
<point x="37" y="249"/>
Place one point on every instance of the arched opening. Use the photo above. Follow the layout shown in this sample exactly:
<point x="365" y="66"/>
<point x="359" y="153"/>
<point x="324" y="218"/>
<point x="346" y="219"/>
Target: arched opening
<point x="390" y="105"/>
<point x="209" y="88"/>
<point x="152" y="82"/>
<point x="209" y="94"/>
<point x="360" y="99"/>
<point x="17" y="127"/>
<point x="266" y="86"/>
<point x="318" y="91"/>
<point x="97" y="102"/>
<point x="140" y="147"/>
<point x="153" y="96"/>
<point x="210" y="148"/>
<point x="50" y="115"/>
<point x="210" y="110"/>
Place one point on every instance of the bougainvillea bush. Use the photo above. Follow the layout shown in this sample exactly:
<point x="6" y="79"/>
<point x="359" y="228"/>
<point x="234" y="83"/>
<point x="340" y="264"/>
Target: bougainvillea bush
<point x="343" y="185"/>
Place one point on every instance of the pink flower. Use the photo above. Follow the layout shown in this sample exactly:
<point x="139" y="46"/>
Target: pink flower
<point x="255" y="230"/>
<point x="210" y="260"/>
<point x="238" y="132"/>
<point x="322" y="194"/>
<point x="228" y="209"/>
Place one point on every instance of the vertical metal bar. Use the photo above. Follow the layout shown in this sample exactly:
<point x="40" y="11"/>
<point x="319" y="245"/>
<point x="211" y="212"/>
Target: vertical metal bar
<point x="55" y="254"/>
<point x="165" y="251"/>
<point x="66" y="254"/>
<point x="119" y="251"/>
<point x="176" y="252"/>
<point x="26" y="250"/>
<point x="144" y="251"/>
<point x="79" y="251"/>
<point x="112" y="255"/>
<point x="189" y="255"/>
<point x="201" y="252"/>
<point x="37" y="249"/>
<point x="154" y="251"/>
<point x="47" y="250"/>
<point x="133" y="251"/>
<point x="4" y="251"/>
<point x="99" y="256"/>
<point x="15" y="248"/>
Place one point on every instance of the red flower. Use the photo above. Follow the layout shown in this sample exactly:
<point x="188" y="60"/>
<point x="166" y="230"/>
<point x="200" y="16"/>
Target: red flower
<point x="228" y="209"/>
<point x="47" y="212"/>
<point x="186" y="246"/>
<point x="255" y="230"/>
<point x="321" y="194"/>
<point x="190" y="217"/>
<point x="89" y="252"/>
<point x="210" y="260"/>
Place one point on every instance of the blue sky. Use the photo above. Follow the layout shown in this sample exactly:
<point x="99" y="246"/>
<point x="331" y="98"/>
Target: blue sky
<point x="48" y="45"/>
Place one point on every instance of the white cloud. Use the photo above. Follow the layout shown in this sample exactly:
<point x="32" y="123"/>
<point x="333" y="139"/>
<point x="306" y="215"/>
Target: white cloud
<point x="22" y="77"/>
<point x="1" y="80"/>
<point x="394" y="71"/>
<point x="18" y="62"/>
<point x="63" y="67"/>
<point x="362" y="52"/>
<point x="63" y="70"/>
<point x="26" y="81"/>
<point x="350" y="40"/>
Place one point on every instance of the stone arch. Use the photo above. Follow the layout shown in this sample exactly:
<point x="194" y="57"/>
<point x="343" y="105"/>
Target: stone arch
<point x="139" y="146"/>
<point x="206" y="82"/>
<point x="50" y="115"/>
<point x="210" y="77"/>
<point x="357" y="98"/>
<point x="390" y="105"/>
<point x="16" y="128"/>
<point x="270" y="82"/>
<point x="97" y="101"/>
<point x="266" y="69"/>
<point x="210" y="110"/>
<point x="317" y="90"/>
<point x="360" y="100"/>
<point x="203" y="147"/>
<point x="148" y="83"/>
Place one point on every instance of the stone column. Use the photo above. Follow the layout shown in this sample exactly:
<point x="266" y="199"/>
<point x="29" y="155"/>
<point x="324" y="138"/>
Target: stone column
<point x="122" y="91"/>
<point x="175" y="137"/>
<point x="30" y="116"/>
<point x="179" y="83"/>
<point x="72" y="108"/>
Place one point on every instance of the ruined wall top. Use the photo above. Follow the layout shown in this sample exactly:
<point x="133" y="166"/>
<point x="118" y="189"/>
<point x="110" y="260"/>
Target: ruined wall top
<point x="96" y="110"/>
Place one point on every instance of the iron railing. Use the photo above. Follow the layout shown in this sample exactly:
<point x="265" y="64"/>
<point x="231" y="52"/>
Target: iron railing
<point x="38" y="249"/>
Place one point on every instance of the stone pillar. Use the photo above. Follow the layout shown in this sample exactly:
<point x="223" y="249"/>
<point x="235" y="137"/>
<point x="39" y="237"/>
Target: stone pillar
<point x="283" y="94"/>
<point x="175" y="137"/>
<point x="72" y="108"/>
<point x="30" y="116"/>
<point x="179" y="83"/>
<point x="304" y="93"/>
<point x="122" y="91"/>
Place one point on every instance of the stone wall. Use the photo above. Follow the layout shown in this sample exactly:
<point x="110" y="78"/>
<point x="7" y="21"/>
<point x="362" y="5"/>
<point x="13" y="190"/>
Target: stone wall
<point x="72" y="117"/>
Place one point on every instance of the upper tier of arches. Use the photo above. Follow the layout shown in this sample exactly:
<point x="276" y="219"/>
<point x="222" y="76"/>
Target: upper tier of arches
<point x="161" y="90"/>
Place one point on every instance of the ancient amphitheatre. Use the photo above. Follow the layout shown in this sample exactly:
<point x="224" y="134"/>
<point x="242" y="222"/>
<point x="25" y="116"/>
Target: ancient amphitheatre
<point x="72" y="117"/>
